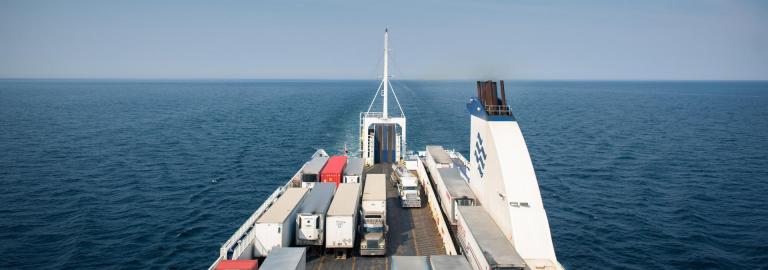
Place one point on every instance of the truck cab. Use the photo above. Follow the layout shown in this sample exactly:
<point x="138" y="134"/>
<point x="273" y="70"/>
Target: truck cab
<point x="373" y="242"/>
<point x="408" y="188"/>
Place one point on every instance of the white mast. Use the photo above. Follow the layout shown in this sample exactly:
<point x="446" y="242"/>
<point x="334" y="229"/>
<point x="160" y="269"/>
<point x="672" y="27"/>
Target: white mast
<point x="386" y="73"/>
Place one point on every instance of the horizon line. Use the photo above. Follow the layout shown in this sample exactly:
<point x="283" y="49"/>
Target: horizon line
<point x="371" y="79"/>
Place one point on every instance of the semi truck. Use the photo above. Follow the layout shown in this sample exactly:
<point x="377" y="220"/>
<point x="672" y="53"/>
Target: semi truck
<point x="277" y="225"/>
<point x="310" y="217"/>
<point x="374" y="212"/>
<point x="408" y="188"/>
<point x="341" y="220"/>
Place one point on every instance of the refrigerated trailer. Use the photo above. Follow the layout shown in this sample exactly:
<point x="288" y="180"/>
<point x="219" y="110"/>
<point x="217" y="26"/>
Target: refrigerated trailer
<point x="276" y="227"/>
<point x="374" y="221"/>
<point x="286" y="258"/>
<point x="354" y="170"/>
<point x="310" y="217"/>
<point x="483" y="243"/>
<point x="341" y="219"/>
<point x="453" y="191"/>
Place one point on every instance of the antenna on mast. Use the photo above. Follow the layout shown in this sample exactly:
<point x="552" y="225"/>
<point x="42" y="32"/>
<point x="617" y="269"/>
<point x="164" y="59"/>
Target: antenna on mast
<point x="385" y="80"/>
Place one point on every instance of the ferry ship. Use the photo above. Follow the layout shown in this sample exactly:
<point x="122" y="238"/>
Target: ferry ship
<point x="367" y="212"/>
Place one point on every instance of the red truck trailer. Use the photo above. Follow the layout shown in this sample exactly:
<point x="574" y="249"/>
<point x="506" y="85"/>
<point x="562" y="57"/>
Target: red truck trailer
<point x="334" y="170"/>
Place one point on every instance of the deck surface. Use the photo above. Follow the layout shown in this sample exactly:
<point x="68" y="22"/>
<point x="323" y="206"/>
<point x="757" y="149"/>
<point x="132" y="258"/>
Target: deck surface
<point x="411" y="232"/>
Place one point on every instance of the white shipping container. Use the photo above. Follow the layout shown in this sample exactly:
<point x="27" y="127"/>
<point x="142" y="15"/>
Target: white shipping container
<point x="341" y="219"/>
<point x="286" y="258"/>
<point x="276" y="227"/>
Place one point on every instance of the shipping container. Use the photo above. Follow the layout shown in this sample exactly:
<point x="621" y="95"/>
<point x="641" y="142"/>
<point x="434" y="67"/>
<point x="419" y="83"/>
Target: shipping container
<point x="409" y="263"/>
<point x="354" y="170"/>
<point x="453" y="191"/>
<point x="483" y="243"/>
<point x="333" y="170"/>
<point x="237" y="265"/>
<point x="341" y="220"/>
<point x="449" y="262"/>
<point x="276" y="227"/>
<point x="311" y="170"/>
<point x="286" y="258"/>
<point x="310" y="218"/>
<point x="374" y="220"/>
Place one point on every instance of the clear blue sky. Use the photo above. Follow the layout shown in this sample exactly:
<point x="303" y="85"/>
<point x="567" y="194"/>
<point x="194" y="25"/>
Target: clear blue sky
<point x="603" y="40"/>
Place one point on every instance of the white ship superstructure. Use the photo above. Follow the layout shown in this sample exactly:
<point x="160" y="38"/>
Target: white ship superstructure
<point x="484" y="213"/>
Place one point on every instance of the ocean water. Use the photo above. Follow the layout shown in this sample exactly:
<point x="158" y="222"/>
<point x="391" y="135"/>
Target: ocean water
<point x="157" y="174"/>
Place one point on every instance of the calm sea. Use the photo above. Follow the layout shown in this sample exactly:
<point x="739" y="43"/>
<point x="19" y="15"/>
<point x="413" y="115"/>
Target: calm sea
<point x="157" y="174"/>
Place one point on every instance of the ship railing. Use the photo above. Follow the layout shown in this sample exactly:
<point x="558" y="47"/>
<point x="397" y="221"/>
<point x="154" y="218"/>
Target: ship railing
<point x="237" y="240"/>
<point x="371" y="114"/>
<point x="498" y="109"/>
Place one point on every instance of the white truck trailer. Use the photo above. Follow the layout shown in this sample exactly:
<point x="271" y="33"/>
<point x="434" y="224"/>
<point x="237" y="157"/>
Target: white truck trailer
<point x="353" y="172"/>
<point x="310" y="217"/>
<point x="286" y="258"/>
<point x="374" y="221"/>
<point x="449" y="262"/>
<point x="483" y="243"/>
<point x="437" y="157"/>
<point x="409" y="263"/>
<point x="408" y="187"/>
<point x="341" y="219"/>
<point x="453" y="191"/>
<point x="276" y="227"/>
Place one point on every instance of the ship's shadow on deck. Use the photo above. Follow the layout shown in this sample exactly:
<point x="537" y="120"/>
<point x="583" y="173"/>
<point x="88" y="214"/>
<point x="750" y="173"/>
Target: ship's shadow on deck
<point x="411" y="232"/>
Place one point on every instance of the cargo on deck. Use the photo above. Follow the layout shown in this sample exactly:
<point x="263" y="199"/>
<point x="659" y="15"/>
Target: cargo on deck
<point x="354" y="170"/>
<point x="409" y="263"/>
<point x="453" y="191"/>
<point x="437" y="157"/>
<point x="341" y="219"/>
<point x="238" y="265"/>
<point x="286" y="258"/>
<point x="311" y="171"/>
<point x="484" y="244"/>
<point x="310" y="217"/>
<point x="449" y="262"/>
<point x="333" y="170"/>
<point x="277" y="225"/>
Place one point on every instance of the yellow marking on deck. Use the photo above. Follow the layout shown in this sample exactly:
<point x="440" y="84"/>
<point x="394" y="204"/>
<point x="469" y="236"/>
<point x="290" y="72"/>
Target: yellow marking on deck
<point x="353" y="263"/>
<point x="320" y="265"/>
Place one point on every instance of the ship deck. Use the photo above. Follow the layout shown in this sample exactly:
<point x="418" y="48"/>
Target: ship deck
<point x="412" y="232"/>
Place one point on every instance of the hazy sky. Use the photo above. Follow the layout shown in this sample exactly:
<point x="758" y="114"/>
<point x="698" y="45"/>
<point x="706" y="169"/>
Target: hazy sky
<point x="609" y="40"/>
